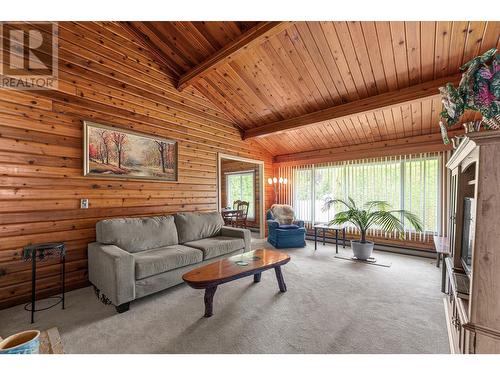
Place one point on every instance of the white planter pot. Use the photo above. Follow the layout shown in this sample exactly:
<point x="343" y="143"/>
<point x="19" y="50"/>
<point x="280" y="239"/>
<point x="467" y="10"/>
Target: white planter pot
<point x="362" y="251"/>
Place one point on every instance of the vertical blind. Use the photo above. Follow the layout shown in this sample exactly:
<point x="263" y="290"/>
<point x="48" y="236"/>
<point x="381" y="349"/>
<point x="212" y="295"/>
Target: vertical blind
<point x="410" y="182"/>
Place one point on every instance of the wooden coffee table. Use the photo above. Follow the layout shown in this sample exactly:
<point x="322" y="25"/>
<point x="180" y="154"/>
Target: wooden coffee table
<point x="208" y="277"/>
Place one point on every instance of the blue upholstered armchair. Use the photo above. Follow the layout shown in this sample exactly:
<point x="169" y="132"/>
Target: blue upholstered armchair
<point x="284" y="235"/>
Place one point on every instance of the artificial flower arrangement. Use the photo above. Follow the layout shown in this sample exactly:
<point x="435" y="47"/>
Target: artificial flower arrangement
<point x="478" y="90"/>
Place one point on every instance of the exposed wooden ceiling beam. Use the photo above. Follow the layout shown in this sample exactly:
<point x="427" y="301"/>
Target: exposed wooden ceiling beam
<point x="370" y="104"/>
<point x="401" y="146"/>
<point x="150" y="46"/>
<point x="247" y="40"/>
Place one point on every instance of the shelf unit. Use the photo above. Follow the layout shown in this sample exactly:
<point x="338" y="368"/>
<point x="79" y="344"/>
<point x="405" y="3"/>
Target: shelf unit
<point x="472" y="302"/>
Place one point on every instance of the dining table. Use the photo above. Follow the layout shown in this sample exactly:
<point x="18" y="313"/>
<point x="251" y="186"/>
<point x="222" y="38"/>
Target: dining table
<point x="228" y="214"/>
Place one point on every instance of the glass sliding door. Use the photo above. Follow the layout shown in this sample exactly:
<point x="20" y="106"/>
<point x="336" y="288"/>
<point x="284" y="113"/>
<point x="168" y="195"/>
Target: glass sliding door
<point x="303" y="194"/>
<point x="328" y="184"/>
<point x="405" y="182"/>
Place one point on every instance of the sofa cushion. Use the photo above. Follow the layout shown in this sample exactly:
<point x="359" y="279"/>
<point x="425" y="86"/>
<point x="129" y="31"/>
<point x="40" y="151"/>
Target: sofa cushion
<point x="215" y="246"/>
<point x="155" y="261"/>
<point x="193" y="226"/>
<point x="135" y="234"/>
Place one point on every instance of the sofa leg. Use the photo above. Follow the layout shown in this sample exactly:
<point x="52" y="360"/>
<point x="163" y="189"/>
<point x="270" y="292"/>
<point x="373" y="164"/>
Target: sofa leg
<point x="122" y="308"/>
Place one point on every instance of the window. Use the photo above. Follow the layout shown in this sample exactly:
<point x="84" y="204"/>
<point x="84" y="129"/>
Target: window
<point x="410" y="183"/>
<point x="421" y="190"/>
<point x="326" y="180"/>
<point x="241" y="186"/>
<point x="303" y="194"/>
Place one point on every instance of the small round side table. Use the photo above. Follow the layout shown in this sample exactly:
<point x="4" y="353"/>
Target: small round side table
<point x="39" y="253"/>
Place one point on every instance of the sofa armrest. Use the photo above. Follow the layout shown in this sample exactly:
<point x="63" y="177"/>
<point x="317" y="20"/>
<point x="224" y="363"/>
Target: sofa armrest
<point x="239" y="233"/>
<point x="112" y="270"/>
<point x="300" y="223"/>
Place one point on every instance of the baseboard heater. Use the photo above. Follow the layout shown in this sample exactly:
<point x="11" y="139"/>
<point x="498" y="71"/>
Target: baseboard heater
<point x="380" y="247"/>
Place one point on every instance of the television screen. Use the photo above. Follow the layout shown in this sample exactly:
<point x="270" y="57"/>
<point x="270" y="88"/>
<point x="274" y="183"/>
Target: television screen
<point x="467" y="233"/>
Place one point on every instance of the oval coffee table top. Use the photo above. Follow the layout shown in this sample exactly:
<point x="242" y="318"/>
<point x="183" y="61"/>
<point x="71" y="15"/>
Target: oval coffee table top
<point x="235" y="267"/>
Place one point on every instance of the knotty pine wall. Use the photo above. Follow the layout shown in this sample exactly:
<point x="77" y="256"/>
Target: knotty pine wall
<point x="108" y="78"/>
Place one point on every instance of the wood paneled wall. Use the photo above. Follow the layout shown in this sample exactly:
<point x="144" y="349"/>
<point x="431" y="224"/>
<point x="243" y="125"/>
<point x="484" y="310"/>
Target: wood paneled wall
<point x="231" y="166"/>
<point x="107" y="78"/>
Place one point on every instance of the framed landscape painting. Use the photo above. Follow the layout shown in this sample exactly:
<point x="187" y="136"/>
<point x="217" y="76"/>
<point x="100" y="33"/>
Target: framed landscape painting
<point x="112" y="152"/>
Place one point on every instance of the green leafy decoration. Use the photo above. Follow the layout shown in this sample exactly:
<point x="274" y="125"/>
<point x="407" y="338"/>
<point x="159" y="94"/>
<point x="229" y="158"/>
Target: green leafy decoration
<point x="372" y="213"/>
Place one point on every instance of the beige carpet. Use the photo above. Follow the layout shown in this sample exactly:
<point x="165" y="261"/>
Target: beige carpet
<point x="332" y="306"/>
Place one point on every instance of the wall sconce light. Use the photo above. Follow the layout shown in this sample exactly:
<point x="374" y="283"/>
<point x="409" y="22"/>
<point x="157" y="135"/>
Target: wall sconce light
<point x="275" y="180"/>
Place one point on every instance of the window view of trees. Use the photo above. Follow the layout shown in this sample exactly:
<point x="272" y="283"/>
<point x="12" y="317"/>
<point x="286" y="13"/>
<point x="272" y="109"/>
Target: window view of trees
<point x="303" y="194"/>
<point x="410" y="184"/>
<point x="240" y="186"/>
<point x="421" y="195"/>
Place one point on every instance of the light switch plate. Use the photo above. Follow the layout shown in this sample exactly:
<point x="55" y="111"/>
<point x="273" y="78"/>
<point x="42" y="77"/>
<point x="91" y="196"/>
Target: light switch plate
<point x="84" y="203"/>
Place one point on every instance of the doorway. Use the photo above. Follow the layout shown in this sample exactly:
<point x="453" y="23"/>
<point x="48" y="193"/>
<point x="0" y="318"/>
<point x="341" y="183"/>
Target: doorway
<point x="242" y="179"/>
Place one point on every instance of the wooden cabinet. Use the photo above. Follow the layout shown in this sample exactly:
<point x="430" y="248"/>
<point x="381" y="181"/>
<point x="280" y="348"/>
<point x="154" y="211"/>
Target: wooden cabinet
<point x="453" y="208"/>
<point x="473" y="293"/>
<point x="461" y="339"/>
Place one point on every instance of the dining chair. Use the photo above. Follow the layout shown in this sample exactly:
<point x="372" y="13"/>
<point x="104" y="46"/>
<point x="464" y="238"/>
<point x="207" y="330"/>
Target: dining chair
<point x="240" y="220"/>
<point x="230" y="216"/>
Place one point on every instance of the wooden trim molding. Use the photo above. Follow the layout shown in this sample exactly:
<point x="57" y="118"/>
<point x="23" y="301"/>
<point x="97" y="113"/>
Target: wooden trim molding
<point x="410" y="145"/>
<point x="480" y="329"/>
<point x="374" y="103"/>
<point x="262" y="190"/>
<point x="247" y="40"/>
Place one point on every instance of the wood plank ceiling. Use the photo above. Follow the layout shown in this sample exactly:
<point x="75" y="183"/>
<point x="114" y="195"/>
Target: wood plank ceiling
<point x="311" y="66"/>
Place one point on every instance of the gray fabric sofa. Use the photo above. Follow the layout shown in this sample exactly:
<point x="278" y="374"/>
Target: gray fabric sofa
<point x="135" y="257"/>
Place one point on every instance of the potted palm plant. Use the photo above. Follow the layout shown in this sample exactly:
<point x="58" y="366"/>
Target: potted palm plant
<point x="371" y="213"/>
